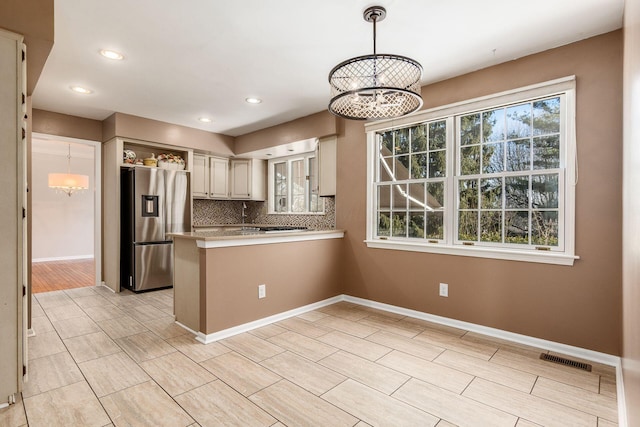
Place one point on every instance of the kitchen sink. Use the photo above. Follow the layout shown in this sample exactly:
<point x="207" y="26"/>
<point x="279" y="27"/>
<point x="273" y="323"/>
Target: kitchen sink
<point x="281" y="228"/>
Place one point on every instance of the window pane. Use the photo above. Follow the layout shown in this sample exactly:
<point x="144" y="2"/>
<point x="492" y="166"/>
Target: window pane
<point x="493" y="125"/>
<point x="384" y="224"/>
<point x="491" y="226"/>
<point x="402" y="167"/>
<point x="316" y="203"/>
<point x="399" y="226"/>
<point x="516" y="192"/>
<point x="435" y="195"/>
<point x="519" y="121"/>
<point x="491" y="193"/>
<point x="399" y="197"/>
<point x="418" y="166"/>
<point x="493" y="158"/>
<point x="416" y="224"/>
<point x="435" y="228"/>
<point x="516" y="227"/>
<point x="546" y="116"/>
<point x="437" y="164"/>
<point x="546" y="152"/>
<point x="544" y="191"/>
<point x="470" y="129"/>
<point x="468" y="194"/>
<point x="298" y="184"/>
<point x="280" y="204"/>
<point x="544" y="228"/>
<point x="468" y="225"/>
<point x="419" y="139"/>
<point x="386" y="169"/>
<point x="518" y="155"/>
<point x="402" y="141"/>
<point x="416" y="196"/>
<point x="313" y="174"/>
<point x="280" y="187"/>
<point x="437" y="135"/>
<point x="384" y="197"/>
<point x="470" y="160"/>
<point x="386" y="144"/>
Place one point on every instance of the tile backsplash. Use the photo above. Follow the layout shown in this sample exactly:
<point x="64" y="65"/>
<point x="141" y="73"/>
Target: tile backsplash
<point x="207" y="212"/>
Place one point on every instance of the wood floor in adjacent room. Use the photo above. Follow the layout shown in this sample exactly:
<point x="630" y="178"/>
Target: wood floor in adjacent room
<point x="61" y="275"/>
<point x="100" y="358"/>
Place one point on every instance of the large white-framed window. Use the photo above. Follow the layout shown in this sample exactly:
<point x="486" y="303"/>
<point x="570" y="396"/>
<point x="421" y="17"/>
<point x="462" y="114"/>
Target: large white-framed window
<point x="293" y="185"/>
<point x="491" y="177"/>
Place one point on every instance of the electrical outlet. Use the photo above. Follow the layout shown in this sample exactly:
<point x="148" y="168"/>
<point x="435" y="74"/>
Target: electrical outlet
<point x="262" y="291"/>
<point x="444" y="290"/>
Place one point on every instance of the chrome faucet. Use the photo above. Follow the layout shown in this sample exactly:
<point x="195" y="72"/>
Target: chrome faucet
<point x="244" y="215"/>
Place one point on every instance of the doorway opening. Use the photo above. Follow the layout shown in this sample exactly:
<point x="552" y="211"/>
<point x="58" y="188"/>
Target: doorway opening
<point x="65" y="229"/>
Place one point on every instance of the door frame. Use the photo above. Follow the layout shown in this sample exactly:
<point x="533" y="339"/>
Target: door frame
<point x="97" y="199"/>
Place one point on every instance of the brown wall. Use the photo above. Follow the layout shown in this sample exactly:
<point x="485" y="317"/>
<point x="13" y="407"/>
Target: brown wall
<point x="578" y="305"/>
<point x="295" y="274"/>
<point x="64" y="125"/>
<point x="313" y="126"/>
<point x="127" y="126"/>
<point x="631" y="213"/>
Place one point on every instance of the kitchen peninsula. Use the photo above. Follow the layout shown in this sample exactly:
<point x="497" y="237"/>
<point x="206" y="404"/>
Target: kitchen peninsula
<point x="217" y="275"/>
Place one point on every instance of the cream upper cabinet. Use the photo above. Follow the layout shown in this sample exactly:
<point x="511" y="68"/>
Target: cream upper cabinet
<point x="218" y="178"/>
<point x="327" y="150"/>
<point x="240" y="179"/>
<point x="221" y="178"/>
<point x="200" y="176"/>
<point x="248" y="179"/>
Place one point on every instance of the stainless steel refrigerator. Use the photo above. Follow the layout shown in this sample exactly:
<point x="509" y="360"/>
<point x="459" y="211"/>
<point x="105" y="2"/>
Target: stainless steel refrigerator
<point x="154" y="202"/>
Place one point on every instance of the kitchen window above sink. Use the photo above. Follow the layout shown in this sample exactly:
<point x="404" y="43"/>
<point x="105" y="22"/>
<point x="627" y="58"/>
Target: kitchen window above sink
<point x="293" y="185"/>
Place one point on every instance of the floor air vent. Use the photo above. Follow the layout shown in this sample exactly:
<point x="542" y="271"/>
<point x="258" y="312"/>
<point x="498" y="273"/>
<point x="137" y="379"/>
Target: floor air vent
<point x="567" y="362"/>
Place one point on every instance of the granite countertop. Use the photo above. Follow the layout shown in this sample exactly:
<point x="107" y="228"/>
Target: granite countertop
<point x="249" y="232"/>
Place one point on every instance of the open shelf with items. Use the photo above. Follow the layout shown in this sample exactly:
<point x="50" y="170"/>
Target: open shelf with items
<point x="144" y="150"/>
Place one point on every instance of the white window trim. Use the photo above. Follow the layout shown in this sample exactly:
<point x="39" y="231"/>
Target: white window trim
<point x="564" y="85"/>
<point x="270" y="190"/>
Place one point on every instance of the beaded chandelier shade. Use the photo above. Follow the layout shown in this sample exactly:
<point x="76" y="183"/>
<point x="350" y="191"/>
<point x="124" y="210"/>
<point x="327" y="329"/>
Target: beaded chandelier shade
<point x="375" y="86"/>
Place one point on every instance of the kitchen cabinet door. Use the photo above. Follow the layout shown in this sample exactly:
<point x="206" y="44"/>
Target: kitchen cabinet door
<point x="218" y="178"/>
<point x="200" y="176"/>
<point x="248" y="179"/>
<point x="327" y="149"/>
<point x="240" y="179"/>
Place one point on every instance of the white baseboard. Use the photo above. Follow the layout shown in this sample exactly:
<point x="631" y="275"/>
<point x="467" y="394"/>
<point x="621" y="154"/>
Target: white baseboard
<point x="196" y="333"/>
<point x="569" y="350"/>
<point x="63" y="258"/>
<point x="31" y="332"/>
<point x="225" y="333"/>
<point x="104" y="285"/>
<point x="622" y="402"/>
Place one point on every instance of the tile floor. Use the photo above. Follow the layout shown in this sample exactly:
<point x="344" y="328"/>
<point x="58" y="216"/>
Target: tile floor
<point x="104" y="359"/>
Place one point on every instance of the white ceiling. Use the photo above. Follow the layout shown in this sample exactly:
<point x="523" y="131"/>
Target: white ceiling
<point x="193" y="58"/>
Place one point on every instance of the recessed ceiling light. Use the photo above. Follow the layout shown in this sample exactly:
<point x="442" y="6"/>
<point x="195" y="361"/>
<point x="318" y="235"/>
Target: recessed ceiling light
<point x="204" y="119"/>
<point x="253" y="100"/>
<point x="112" y="54"/>
<point x="80" y="89"/>
<point x="291" y="150"/>
<point x="269" y="154"/>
